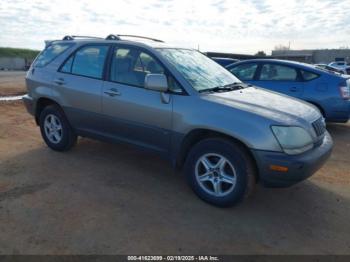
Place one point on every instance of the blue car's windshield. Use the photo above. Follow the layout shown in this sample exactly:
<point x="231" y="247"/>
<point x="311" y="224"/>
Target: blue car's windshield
<point x="199" y="70"/>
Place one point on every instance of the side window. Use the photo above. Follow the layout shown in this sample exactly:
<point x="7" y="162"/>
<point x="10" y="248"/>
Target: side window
<point x="274" y="72"/>
<point x="67" y="67"/>
<point x="244" y="71"/>
<point x="174" y="86"/>
<point x="150" y="65"/>
<point x="50" y="53"/>
<point x="130" y="66"/>
<point x="307" y="76"/>
<point x="124" y="61"/>
<point x="87" y="61"/>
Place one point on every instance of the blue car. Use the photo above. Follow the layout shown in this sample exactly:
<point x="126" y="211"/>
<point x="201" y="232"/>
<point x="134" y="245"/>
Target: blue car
<point x="329" y="92"/>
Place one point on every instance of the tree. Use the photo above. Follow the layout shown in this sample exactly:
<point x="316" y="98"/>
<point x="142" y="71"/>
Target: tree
<point x="260" y="53"/>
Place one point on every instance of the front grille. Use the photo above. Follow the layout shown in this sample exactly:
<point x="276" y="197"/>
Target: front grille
<point x="319" y="126"/>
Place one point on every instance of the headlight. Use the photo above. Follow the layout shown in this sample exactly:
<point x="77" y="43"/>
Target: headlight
<point x="293" y="140"/>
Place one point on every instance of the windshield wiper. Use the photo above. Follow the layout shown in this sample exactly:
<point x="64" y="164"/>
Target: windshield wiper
<point x="229" y="87"/>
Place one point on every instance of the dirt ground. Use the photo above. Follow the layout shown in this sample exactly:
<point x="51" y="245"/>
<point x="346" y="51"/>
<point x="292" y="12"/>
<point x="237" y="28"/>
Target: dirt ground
<point x="12" y="83"/>
<point x="106" y="199"/>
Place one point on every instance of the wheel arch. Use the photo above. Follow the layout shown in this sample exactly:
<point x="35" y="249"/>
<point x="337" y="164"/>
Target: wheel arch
<point x="41" y="103"/>
<point x="319" y="107"/>
<point x="197" y="135"/>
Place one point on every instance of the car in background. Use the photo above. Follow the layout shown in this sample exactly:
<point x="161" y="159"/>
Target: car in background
<point x="330" y="68"/>
<point x="339" y="64"/>
<point x="224" y="61"/>
<point x="329" y="92"/>
<point x="347" y="70"/>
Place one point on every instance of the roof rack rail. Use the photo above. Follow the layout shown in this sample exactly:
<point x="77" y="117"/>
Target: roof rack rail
<point x="72" y="37"/>
<point x="113" y="37"/>
<point x="117" y="37"/>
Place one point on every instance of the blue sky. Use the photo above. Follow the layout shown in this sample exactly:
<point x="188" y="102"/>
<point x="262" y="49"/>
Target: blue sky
<point x="215" y="25"/>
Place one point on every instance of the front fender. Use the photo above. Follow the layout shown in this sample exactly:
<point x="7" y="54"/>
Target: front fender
<point x="252" y="130"/>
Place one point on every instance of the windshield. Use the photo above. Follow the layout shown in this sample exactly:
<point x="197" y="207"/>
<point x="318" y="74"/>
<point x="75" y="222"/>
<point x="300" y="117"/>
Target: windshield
<point x="199" y="70"/>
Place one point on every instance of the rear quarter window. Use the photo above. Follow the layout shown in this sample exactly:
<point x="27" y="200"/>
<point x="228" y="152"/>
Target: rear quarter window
<point x="50" y="53"/>
<point x="308" y="76"/>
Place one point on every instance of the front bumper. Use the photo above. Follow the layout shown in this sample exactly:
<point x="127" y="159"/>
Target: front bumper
<point x="300" y="167"/>
<point x="29" y="104"/>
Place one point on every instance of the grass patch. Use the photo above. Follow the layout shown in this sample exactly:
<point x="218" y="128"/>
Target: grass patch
<point x="18" y="52"/>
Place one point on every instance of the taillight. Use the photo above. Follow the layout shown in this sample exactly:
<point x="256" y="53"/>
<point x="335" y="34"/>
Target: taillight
<point x="344" y="90"/>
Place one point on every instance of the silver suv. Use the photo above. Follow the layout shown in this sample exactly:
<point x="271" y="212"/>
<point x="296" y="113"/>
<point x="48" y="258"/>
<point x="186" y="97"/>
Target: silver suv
<point x="224" y="134"/>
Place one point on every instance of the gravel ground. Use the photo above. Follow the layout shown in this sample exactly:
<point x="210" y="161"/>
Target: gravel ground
<point x="101" y="198"/>
<point x="12" y="83"/>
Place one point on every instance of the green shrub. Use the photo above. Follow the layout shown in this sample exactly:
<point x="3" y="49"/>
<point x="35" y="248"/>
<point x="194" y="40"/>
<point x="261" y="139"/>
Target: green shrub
<point x="18" y="52"/>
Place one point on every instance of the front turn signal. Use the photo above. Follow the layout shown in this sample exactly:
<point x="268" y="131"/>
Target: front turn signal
<point x="279" y="168"/>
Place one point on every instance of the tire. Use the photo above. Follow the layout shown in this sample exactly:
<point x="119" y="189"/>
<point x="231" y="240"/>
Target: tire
<point x="235" y="179"/>
<point x="55" y="129"/>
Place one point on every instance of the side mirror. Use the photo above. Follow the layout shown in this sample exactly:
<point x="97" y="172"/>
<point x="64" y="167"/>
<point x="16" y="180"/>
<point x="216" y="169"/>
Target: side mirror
<point x="156" y="82"/>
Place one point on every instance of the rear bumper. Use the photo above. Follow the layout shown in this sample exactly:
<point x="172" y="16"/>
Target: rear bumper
<point x="29" y="104"/>
<point x="300" y="167"/>
<point x="340" y="113"/>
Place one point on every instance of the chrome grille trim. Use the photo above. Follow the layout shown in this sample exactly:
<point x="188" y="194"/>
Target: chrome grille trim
<point x="319" y="126"/>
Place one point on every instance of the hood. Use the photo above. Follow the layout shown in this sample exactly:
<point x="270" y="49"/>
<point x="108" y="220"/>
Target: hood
<point x="278" y="107"/>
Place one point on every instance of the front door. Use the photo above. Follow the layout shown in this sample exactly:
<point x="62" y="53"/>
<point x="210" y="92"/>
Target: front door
<point x="136" y="114"/>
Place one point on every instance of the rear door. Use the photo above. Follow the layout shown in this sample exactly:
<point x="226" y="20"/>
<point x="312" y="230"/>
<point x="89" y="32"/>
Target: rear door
<point x="280" y="78"/>
<point x="78" y="83"/>
<point x="136" y="114"/>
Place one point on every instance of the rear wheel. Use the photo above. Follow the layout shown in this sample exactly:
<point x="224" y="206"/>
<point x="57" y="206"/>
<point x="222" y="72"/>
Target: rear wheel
<point x="220" y="171"/>
<point x="55" y="129"/>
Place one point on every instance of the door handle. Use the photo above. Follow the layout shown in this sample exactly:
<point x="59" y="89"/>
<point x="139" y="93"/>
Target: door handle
<point x="293" y="89"/>
<point x="59" y="81"/>
<point x="112" y="92"/>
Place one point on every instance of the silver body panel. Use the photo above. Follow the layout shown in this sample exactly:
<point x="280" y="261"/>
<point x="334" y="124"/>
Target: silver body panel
<point x="161" y="121"/>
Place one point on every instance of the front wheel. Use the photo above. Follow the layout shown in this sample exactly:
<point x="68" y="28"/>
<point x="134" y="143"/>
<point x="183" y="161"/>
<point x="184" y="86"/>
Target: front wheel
<point x="220" y="171"/>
